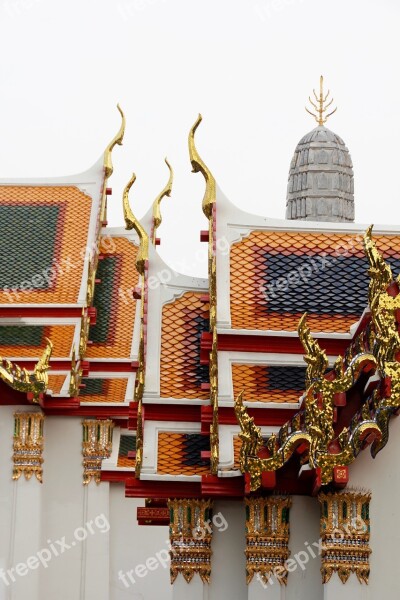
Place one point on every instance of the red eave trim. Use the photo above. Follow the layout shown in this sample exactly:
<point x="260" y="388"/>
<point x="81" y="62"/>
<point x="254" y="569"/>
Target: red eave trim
<point x="94" y="367"/>
<point x="262" y="416"/>
<point x="137" y="488"/>
<point x="68" y="408"/>
<point x="167" y="412"/>
<point x="116" y="476"/>
<point x="42" y="311"/>
<point x="270" y="343"/>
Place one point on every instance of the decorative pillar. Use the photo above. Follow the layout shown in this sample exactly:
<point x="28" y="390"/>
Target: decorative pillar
<point x="26" y="540"/>
<point x="267" y="538"/>
<point x="28" y="445"/>
<point x="345" y="534"/>
<point x="190" y="535"/>
<point x="96" y="446"/>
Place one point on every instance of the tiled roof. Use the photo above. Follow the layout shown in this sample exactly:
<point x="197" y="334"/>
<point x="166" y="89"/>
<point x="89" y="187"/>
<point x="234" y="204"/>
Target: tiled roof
<point x="112" y="334"/>
<point x="56" y="383"/>
<point x="103" y="390"/>
<point x="29" y="340"/>
<point x="268" y="383"/>
<point x="180" y="453"/>
<point x="183" y="322"/>
<point x="276" y="276"/>
<point x="127" y="443"/>
<point x="43" y="236"/>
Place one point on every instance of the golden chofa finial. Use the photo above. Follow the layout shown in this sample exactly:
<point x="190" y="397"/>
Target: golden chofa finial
<point x="131" y="222"/>
<point x="117" y="139"/>
<point x="321" y="107"/>
<point x="157" y="218"/>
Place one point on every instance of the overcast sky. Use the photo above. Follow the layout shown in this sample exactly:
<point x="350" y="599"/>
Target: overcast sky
<point x="247" y="65"/>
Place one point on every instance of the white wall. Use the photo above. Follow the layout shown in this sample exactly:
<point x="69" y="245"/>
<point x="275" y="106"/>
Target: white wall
<point x="132" y="545"/>
<point x="89" y="569"/>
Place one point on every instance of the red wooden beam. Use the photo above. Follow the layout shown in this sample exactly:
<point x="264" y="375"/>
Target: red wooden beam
<point x="138" y="488"/>
<point x="268" y="343"/>
<point x="39" y="311"/>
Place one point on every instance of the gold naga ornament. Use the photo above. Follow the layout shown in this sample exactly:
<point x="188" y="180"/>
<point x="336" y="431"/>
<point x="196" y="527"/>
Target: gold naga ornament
<point x="313" y="425"/>
<point x="345" y="534"/>
<point x="33" y="382"/>
<point x="190" y="533"/>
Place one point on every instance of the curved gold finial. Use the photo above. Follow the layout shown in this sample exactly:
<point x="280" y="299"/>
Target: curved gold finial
<point x="157" y="218"/>
<point x="321" y="107"/>
<point x="133" y="223"/>
<point x="380" y="273"/>
<point x="199" y="165"/>
<point x="117" y="139"/>
<point x="41" y="369"/>
<point x="316" y="359"/>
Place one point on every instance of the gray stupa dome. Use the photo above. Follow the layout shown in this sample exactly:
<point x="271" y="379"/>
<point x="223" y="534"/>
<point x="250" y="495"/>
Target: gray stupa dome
<point x="321" y="178"/>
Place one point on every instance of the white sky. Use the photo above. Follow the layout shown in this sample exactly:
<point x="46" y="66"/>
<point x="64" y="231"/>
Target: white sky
<point x="247" y="65"/>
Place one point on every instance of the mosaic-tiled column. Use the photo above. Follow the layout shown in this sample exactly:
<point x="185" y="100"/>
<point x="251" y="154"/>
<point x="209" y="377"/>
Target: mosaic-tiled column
<point x="27" y="502"/>
<point x="190" y="533"/>
<point x="96" y="446"/>
<point x="28" y="445"/>
<point x="345" y="533"/>
<point x="267" y="538"/>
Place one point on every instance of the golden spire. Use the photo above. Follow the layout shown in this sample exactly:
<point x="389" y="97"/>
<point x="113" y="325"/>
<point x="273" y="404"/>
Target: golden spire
<point x="157" y="218"/>
<point x="321" y="107"/>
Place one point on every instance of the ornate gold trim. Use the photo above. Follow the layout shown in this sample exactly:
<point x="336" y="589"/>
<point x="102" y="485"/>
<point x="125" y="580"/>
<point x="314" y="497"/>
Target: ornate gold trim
<point x="96" y="446"/>
<point x="34" y="382"/>
<point x="345" y="534"/>
<point x="28" y="445"/>
<point x="190" y="534"/>
<point x="209" y="209"/>
<point x="142" y="258"/>
<point x="313" y="424"/>
<point x="75" y="375"/>
<point x="267" y="537"/>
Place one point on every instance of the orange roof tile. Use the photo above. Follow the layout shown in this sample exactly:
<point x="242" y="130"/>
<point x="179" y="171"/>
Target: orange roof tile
<point x="278" y="275"/>
<point x="56" y="383"/>
<point x="109" y="390"/>
<point x="61" y="336"/>
<point x="262" y="384"/>
<point x="179" y="454"/>
<point x="60" y="215"/>
<point x="181" y="373"/>
<point x="116" y="307"/>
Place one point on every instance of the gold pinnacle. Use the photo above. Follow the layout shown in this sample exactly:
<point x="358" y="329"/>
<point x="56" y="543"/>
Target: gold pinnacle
<point x="321" y="107"/>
